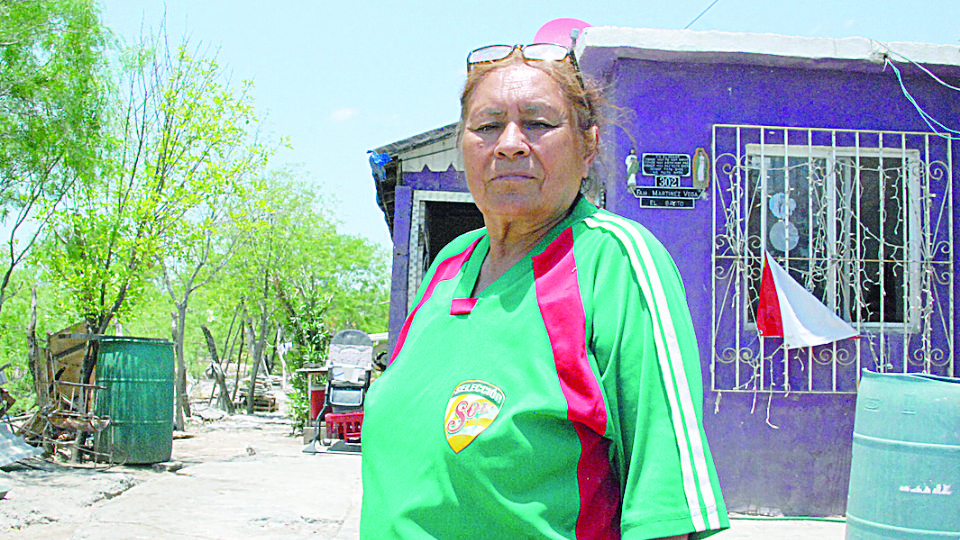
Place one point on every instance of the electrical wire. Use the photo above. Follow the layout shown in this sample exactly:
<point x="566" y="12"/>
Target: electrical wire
<point x="925" y="70"/>
<point x="697" y="18"/>
<point x="931" y="122"/>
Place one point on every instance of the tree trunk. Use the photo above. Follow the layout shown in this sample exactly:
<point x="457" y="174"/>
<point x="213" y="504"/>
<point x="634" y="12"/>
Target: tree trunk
<point x="177" y="411"/>
<point x="230" y="341"/>
<point x="272" y="363"/>
<point x="224" y="396"/>
<point x="93" y="349"/>
<point x="89" y="363"/>
<point x="181" y="399"/>
<point x="33" y="353"/>
<point x="236" y="382"/>
<point x="257" y="348"/>
<point x="255" y="353"/>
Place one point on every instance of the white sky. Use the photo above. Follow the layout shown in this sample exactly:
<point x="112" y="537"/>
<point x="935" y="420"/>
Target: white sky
<point x="341" y="78"/>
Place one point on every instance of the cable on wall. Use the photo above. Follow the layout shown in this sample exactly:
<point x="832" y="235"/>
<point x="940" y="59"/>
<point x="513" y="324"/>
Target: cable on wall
<point x="931" y="122"/>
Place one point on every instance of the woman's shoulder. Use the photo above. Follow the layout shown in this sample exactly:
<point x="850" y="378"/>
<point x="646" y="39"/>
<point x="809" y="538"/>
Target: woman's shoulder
<point x="611" y="246"/>
<point x="605" y="231"/>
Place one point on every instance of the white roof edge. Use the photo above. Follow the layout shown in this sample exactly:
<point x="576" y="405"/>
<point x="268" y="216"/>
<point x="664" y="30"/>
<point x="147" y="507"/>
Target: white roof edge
<point x="659" y="44"/>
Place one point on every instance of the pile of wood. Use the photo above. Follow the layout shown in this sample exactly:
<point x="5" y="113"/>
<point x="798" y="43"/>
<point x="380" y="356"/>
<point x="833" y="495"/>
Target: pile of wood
<point x="66" y="398"/>
<point x="264" y="400"/>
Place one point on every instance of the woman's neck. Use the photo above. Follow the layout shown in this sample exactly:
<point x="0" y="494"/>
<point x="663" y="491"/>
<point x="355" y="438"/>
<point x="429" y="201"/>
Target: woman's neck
<point x="510" y="241"/>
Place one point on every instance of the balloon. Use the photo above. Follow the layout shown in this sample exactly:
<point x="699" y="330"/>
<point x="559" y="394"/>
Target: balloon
<point x="558" y="31"/>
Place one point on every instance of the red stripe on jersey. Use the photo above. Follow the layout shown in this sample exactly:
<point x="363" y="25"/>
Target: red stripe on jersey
<point x="558" y="295"/>
<point x="446" y="270"/>
<point x="462" y="306"/>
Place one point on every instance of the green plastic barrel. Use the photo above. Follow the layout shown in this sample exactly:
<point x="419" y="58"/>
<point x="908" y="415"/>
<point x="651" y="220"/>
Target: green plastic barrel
<point x="905" y="472"/>
<point x="137" y="374"/>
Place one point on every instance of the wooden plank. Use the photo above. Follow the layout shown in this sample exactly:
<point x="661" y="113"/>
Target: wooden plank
<point x="66" y="339"/>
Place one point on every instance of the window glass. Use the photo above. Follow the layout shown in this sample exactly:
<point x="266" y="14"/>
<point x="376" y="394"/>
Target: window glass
<point x="838" y="225"/>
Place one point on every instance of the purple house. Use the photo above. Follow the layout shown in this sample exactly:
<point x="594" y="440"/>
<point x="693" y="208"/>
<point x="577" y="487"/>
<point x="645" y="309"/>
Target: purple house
<point x="836" y="157"/>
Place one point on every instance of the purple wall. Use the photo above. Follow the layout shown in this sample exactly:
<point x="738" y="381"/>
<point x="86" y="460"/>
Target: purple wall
<point x="448" y="180"/>
<point x="801" y="467"/>
<point x="403" y="202"/>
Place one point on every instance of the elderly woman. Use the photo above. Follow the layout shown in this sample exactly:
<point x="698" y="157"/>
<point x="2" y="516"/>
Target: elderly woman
<point x="547" y="382"/>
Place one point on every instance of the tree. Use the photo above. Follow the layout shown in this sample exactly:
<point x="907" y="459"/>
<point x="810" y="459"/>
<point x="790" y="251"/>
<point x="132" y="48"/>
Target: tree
<point x="297" y="273"/>
<point x="185" y="141"/>
<point x="339" y="282"/>
<point x="278" y="212"/>
<point x="330" y="282"/>
<point x="52" y="90"/>
<point x="199" y="260"/>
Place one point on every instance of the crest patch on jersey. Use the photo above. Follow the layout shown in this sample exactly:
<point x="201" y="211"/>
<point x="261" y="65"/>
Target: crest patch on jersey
<point x="473" y="406"/>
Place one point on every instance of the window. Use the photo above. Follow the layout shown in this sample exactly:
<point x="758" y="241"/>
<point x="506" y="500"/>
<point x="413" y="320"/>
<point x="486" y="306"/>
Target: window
<point x="863" y="220"/>
<point x="842" y="225"/>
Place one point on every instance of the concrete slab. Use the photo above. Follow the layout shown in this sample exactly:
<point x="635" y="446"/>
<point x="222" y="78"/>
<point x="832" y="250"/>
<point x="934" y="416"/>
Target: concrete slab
<point x="278" y="496"/>
<point x="782" y="529"/>
<point x="257" y="484"/>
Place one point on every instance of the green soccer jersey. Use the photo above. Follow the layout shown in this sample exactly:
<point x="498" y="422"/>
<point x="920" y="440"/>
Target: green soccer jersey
<point x="563" y="401"/>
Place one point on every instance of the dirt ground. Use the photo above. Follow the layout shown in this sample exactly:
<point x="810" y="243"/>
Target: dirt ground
<point x="235" y="476"/>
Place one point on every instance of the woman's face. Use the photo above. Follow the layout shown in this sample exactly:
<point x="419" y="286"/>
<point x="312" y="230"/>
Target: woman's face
<point x="523" y="157"/>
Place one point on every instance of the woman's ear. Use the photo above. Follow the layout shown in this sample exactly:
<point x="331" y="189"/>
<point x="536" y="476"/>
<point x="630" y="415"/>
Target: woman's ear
<point x="591" y="146"/>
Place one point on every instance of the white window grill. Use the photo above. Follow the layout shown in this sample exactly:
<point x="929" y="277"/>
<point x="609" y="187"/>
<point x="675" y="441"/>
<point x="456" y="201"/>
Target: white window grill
<point x="864" y="221"/>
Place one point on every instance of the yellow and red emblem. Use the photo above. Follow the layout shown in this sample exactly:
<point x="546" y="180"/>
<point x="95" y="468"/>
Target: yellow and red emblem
<point x="473" y="406"/>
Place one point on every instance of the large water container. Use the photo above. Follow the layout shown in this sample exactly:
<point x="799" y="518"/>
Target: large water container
<point x="137" y="374"/>
<point x="905" y="473"/>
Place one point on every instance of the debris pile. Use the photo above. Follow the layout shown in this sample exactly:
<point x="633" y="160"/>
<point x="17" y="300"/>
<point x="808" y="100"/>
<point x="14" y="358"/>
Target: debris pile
<point x="66" y="389"/>
<point x="264" y="400"/>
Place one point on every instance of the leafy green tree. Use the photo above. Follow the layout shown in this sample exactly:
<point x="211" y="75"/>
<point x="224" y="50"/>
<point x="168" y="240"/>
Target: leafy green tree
<point x="214" y="235"/>
<point x="184" y="140"/>
<point x="15" y="325"/>
<point x="343" y="282"/>
<point x="52" y="102"/>
<point x="298" y="273"/>
<point x="332" y="282"/>
<point x="262" y="259"/>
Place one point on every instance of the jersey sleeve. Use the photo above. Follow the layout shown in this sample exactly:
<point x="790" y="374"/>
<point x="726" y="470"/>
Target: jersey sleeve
<point x="643" y="342"/>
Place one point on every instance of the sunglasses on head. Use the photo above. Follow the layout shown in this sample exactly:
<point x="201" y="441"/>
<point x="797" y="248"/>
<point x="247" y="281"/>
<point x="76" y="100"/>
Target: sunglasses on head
<point x="535" y="51"/>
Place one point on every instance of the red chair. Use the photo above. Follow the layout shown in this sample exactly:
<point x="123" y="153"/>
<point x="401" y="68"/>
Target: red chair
<point x="345" y="426"/>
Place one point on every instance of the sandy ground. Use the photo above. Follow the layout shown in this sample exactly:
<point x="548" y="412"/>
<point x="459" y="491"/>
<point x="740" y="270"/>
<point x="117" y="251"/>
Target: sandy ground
<point x="242" y="477"/>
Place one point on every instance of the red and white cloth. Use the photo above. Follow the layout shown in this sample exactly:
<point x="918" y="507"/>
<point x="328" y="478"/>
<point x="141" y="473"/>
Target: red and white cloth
<point x="789" y="311"/>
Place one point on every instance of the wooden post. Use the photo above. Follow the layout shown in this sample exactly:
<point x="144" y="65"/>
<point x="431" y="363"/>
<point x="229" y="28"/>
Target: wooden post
<point x="218" y="373"/>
